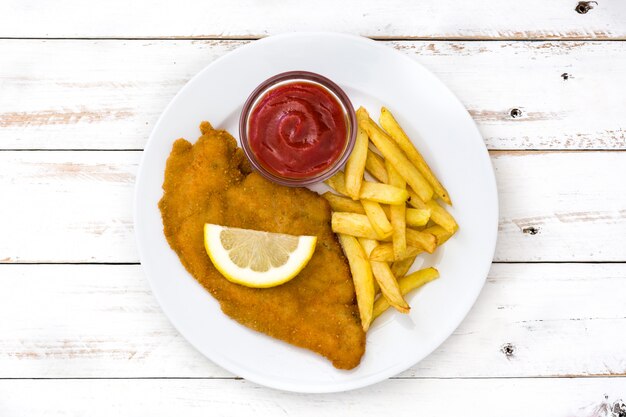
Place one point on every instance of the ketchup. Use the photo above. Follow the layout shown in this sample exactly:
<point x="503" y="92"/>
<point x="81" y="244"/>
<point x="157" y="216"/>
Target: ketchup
<point x="297" y="130"/>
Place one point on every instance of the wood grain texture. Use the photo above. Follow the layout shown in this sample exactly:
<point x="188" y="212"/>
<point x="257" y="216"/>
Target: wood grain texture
<point x="491" y="19"/>
<point x="109" y="94"/>
<point x="542" y="340"/>
<point x="85" y="321"/>
<point x="592" y="397"/>
<point x="64" y="206"/>
<point x="67" y="206"/>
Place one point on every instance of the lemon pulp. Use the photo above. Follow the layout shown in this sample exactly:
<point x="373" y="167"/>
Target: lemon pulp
<point x="255" y="258"/>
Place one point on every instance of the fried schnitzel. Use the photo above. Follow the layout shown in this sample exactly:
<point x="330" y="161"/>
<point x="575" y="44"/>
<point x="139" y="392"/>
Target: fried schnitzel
<point x="212" y="182"/>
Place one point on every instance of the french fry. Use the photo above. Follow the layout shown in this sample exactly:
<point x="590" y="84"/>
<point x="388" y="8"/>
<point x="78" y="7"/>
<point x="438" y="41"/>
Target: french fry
<point x="415" y="200"/>
<point x="440" y="216"/>
<point x="361" y="275"/>
<point x="377" y="218"/>
<point x="376" y="221"/>
<point x="387" y="282"/>
<point x="355" y="166"/>
<point x="398" y="223"/>
<point x="389" y="123"/>
<point x="338" y="183"/>
<point x="416" y="217"/>
<point x="441" y="234"/>
<point x="386" y="209"/>
<point x="339" y="203"/>
<point x="398" y="214"/>
<point x="375" y="165"/>
<point x="394" y="154"/>
<point x="384" y="253"/>
<point x="421" y="239"/>
<point x="383" y="193"/>
<point x="353" y="224"/>
<point x="407" y="284"/>
<point x="400" y="268"/>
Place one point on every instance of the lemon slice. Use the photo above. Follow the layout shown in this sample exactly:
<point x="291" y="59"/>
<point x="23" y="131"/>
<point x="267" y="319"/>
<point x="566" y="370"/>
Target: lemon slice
<point x="254" y="258"/>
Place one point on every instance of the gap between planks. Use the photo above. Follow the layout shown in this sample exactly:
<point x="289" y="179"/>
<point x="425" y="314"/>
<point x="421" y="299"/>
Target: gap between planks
<point x="491" y="151"/>
<point x="375" y="38"/>
<point x="238" y="378"/>
<point x="493" y="263"/>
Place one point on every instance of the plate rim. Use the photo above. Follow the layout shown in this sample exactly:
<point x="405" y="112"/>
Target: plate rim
<point x="305" y="387"/>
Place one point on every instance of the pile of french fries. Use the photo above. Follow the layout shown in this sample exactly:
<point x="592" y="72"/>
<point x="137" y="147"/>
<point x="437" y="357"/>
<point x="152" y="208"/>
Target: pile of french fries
<point x="384" y="224"/>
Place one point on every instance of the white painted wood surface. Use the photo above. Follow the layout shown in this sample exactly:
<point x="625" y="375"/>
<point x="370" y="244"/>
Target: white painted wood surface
<point x="81" y="86"/>
<point x="250" y="18"/>
<point x="574" y="201"/>
<point x="102" y="321"/>
<point x="77" y="94"/>
<point x="557" y="397"/>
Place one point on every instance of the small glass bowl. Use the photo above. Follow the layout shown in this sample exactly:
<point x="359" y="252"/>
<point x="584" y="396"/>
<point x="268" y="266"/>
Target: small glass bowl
<point x="287" y="78"/>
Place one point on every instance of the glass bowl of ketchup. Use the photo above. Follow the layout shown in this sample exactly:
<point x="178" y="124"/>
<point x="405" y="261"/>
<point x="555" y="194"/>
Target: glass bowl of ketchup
<point x="297" y="128"/>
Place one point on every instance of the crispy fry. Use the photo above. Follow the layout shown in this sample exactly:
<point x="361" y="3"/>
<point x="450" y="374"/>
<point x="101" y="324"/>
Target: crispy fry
<point x="339" y="203"/>
<point x="362" y="277"/>
<point x="375" y="226"/>
<point x="353" y="224"/>
<point x="398" y="214"/>
<point x="441" y="234"/>
<point x="398" y="224"/>
<point x="394" y="154"/>
<point x="415" y="200"/>
<point x="377" y="218"/>
<point x="421" y="239"/>
<point x="375" y="165"/>
<point x="416" y="217"/>
<point x="338" y="183"/>
<point x="389" y="123"/>
<point x="386" y="209"/>
<point x="440" y="216"/>
<point x="407" y="284"/>
<point x="361" y="114"/>
<point x="400" y="268"/>
<point x="384" y="253"/>
<point x="356" y="162"/>
<point x="388" y="284"/>
<point x="383" y="193"/>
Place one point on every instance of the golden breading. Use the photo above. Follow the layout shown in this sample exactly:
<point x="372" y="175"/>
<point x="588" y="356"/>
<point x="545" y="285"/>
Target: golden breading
<point x="211" y="182"/>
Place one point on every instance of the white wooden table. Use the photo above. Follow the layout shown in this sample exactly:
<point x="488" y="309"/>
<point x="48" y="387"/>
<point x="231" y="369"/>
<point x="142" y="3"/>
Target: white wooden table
<point x="81" y="86"/>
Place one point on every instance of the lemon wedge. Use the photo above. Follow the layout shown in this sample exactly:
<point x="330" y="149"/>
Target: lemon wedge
<point x="254" y="258"/>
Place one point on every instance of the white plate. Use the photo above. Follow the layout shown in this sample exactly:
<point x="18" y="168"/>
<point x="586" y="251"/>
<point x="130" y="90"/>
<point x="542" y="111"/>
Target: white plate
<point x="372" y="75"/>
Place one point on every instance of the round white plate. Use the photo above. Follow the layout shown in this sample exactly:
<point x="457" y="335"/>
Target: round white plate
<point x="372" y="75"/>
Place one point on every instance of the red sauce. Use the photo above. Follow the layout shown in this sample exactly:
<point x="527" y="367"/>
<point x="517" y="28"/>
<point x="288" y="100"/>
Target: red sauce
<point x="297" y="130"/>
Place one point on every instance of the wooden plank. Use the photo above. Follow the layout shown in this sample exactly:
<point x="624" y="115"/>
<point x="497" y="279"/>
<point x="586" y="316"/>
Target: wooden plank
<point x="599" y="397"/>
<point x="76" y="206"/>
<point x="109" y="94"/>
<point x="531" y="320"/>
<point x="561" y="206"/>
<point x="67" y="206"/>
<point x="492" y="19"/>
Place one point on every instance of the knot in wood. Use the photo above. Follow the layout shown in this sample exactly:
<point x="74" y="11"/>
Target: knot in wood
<point x="515" y="113"/>
<point x="531" y="230"/>
<point x="565" y="76"/>
<point x="508" y="349"/>
<point x="584" y="6"/>
<point x="619" y="408"/>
